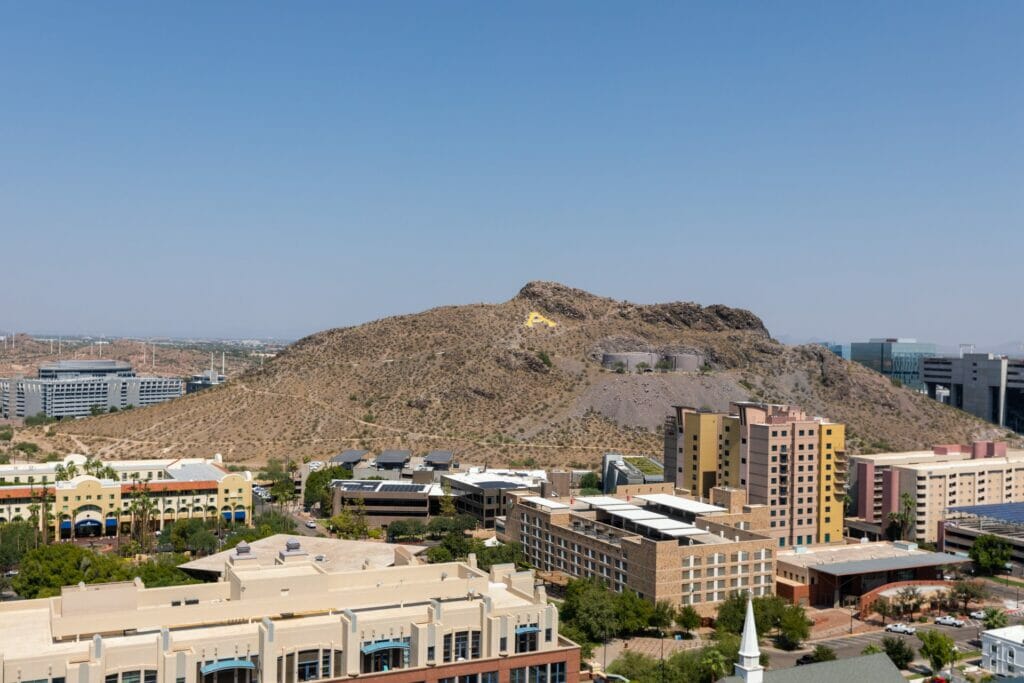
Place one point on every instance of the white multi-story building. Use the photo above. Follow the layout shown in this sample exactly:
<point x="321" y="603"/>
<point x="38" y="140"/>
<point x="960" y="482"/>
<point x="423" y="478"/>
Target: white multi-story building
<point x="78" y="388"/>
<point x="1002" y="650"/>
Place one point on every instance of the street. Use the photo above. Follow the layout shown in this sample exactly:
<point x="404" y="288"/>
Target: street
<point x="299" y="517"/>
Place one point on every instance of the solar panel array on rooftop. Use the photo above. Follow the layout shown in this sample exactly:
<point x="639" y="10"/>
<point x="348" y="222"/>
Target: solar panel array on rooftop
<point x="393" y="457"/>
<point x="1011" y="513"/>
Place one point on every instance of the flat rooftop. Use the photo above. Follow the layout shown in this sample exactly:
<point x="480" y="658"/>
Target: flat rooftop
<point x="339" y="555"/>
<point x="505" y="479"/>
<point x="860" y="558"/>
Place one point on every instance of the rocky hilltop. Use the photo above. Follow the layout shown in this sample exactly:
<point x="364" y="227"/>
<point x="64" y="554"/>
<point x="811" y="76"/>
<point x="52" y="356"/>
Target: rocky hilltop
<point x="519" y="382"/>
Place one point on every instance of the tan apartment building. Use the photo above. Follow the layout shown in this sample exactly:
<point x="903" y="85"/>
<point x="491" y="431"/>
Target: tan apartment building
<point x="662" y="546"/>
<point x="875" y="489"/>
<point x="792" y="463"/>
<point x="293" y="621"/>
<point x="84" y="504"/>
<point x="935" y="486"/>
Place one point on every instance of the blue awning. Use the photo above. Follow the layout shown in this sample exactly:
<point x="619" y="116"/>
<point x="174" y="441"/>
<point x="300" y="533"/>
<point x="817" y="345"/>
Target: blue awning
<point x="527" y="629"/>
<point x="65" y="524"/>
<point x="239" y="515"/>
<point x="383" y="645"/>
<point x="88" y="522"/>
<point x="226" y="664"/>
<point x="227" y="515"/>
<point x="111" y="521"/>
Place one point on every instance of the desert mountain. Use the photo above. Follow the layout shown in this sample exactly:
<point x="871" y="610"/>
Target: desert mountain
<point x="478" y="380"/>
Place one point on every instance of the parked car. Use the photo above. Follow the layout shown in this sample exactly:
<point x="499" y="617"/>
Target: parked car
<point x="310" y="524"/>
<point x="978" y="614"/>
<point x="901" y="628"/>
<point x="805" y="659"/>
<point x="948" y="620"/>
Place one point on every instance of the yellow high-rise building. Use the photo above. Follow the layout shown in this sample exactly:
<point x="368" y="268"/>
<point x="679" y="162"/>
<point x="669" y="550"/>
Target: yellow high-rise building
<point x="710" y="451"/>
<point x="831" y="481"/>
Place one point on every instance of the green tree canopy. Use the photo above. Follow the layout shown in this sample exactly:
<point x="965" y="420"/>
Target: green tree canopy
<point x="823" y="653"/>
<point x="898" y="651"/>
<point x="591" y="608"/>
<point x="967" y="591"/>
<point x="794" y="627"/>
<point x="938" y="648"/>
<point x="318" y="487"/>
<point x="688" y="618"/>
<point x="989" y="553"/>
<point x="590" y="480"/>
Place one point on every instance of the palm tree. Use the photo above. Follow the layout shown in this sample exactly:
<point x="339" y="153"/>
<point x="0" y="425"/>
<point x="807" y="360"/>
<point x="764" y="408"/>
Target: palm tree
<point x="995" y="618"/>
<point x="714" y="664"/>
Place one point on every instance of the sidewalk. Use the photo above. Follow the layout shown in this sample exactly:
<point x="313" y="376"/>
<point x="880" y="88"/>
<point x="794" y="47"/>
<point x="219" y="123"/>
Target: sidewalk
<point x="651" y="647"/>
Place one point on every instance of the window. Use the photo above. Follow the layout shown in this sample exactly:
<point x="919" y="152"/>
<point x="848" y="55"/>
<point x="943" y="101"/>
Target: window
<point x="526" y="639"/>
<point x="503" y="644"/>
<point x="448" y="647"/>
<point x="557" y="672"/>
<point x="489" y="677"/>
<point x="517" y="675"/>
<point x="469" y="678"/>
<point x="309" y="661"/>
<point x="149" y="676"/>
<point x="430" y="653"/>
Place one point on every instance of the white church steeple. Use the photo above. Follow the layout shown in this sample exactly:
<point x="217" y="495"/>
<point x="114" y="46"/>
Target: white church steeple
<point x="749" y="666"/>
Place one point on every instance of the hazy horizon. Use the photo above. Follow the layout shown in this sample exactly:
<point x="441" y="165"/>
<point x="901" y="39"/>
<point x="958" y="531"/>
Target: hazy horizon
<point x="254" y="171"/>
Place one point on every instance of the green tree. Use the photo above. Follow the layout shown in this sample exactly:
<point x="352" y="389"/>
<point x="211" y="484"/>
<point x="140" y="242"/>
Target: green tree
<point x="446" y="504"/>
<point x="909" y="599"/>
<point x="506" y="553"/>
<point x="350" y="522"/>
<point x="590" y="480"/>
<point x="898" y="651"/>
<point x="45" y="570"/>
<point x="989" y="553"/>
<point x="794" y="627"/>
<point x="662" y="616"/>
<point x="283" y="491"/>
<point x="632" y="613"/>
<point x="967" y="591"/>
<point x="714" y="663"/>
<point x="995" y="618"/>
<point x="883" y="607"/>
<point x="688" y="618"/>
<point x="318" y="487"/>
<point x="142" y="509"/>
<point x="591" y="608"/>
<point x="872" y="649"/>
<point x="938" y="648"/>
<point x="823" y="653"/>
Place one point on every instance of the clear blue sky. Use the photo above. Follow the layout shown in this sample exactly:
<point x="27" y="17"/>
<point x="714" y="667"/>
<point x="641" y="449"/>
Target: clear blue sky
<point x="844" y="170"/>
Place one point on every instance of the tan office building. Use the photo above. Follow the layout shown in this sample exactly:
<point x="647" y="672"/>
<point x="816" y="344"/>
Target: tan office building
<point x="294" y="622"/>
<point x="661" y="546"/>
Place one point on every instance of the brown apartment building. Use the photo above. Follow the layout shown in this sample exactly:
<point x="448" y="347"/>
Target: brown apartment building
<point x="662" y="546"/>
<point x="784" y="459"/>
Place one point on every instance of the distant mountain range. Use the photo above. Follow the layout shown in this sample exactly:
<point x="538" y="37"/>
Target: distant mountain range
<point x="519" y="382"/>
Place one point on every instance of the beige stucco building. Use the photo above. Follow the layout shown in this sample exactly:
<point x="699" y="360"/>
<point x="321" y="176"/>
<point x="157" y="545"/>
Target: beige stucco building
<point x="294" y="621"/>
<point x="84" y="504"/>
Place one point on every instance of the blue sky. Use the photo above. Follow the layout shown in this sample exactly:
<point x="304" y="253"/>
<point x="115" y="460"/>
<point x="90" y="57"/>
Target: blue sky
<point x="844" y="170"/>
